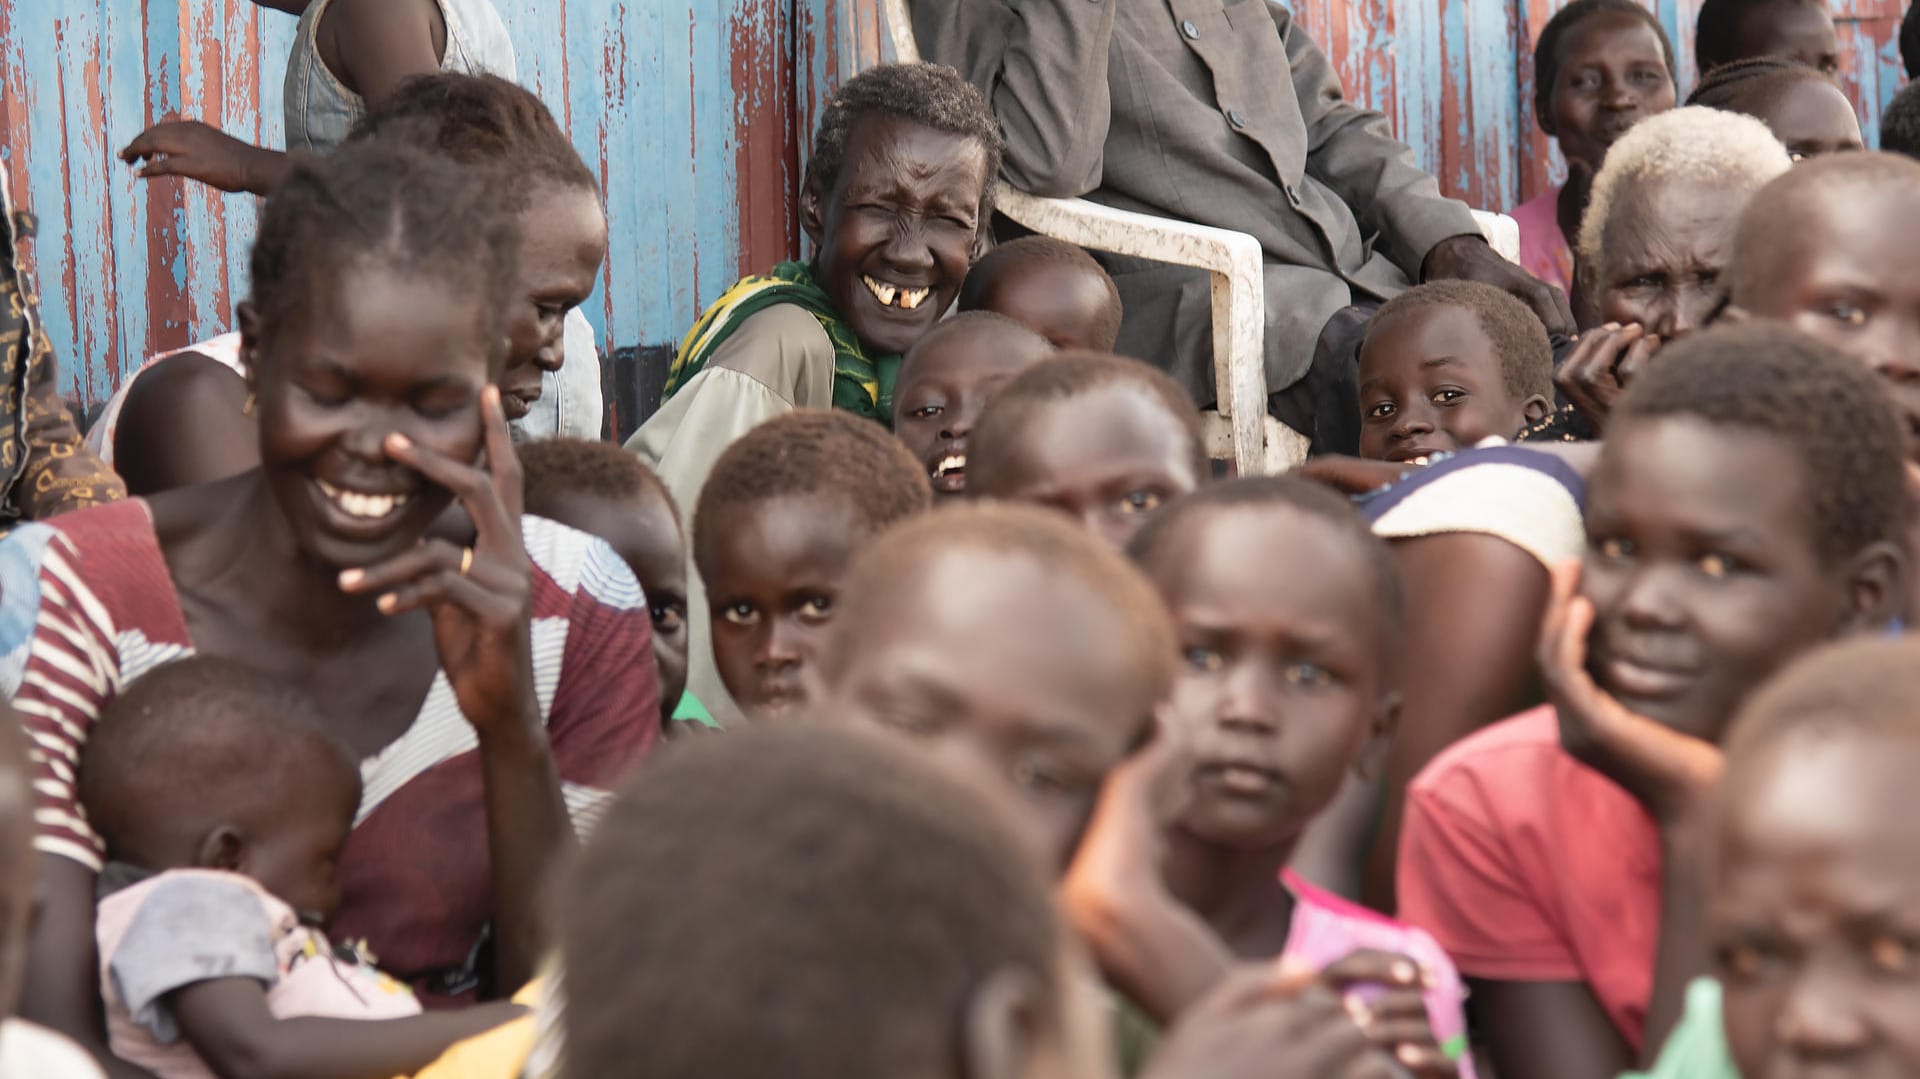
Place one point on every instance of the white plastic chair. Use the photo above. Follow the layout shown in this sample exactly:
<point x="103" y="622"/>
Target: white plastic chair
<point x="1238" y="428"/>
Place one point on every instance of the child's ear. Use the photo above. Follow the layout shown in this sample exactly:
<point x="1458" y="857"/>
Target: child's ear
<point x="1006" y="1017"/>
<point x="1876" y="589"/>
<point x="813" y="214"/>
<point x="1536" y="408"/>
<point x="223" y="848"/>
<point x="1372" y="760"/>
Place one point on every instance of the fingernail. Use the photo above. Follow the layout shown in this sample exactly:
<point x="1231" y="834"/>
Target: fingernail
<point x="399" y="441"/>
<point x="1404" y="971"/>
<point x="1611" y="327"/>
<point x="387" y="603"/>
<point x="1358" y="1009"/>
<point x="351" y="578"/>
<point x="1409" y="1055"/>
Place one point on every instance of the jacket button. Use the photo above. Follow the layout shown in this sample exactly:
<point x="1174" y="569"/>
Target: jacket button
<point x="1192" y="31"/>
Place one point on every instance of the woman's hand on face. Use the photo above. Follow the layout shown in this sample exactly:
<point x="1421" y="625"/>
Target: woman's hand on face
<point x="1604" y="361"/>
<point x="1669" y="772"/>
<point x="480" y="597"/>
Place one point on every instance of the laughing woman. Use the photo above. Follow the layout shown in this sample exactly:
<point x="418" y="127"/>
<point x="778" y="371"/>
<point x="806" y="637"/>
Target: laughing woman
<point x="491" y="692"/>
<point x="897" y="197"/>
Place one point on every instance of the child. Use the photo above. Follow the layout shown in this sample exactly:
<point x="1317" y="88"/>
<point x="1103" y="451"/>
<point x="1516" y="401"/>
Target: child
<point x="876" y="919"/>
<point x="1747" y="506"/>
<point x="1900" y="123"/>
<point x="780" y="517"/>
<point x="1050" y="286"/>
<point x="224" y="805"/>
<point x="1103" y="439"/>
<point x="1802" y="30"/>
<point x="1801" y="106"/>
<point x="605" y="491"/>
<point x="1448" y="365"/>
<point x="1286" y="690"/>
<point x="946" y="381"/>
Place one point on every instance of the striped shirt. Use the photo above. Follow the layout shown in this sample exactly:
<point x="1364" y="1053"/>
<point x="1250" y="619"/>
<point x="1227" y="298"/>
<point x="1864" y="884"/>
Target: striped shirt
<point x="88" y="606"/>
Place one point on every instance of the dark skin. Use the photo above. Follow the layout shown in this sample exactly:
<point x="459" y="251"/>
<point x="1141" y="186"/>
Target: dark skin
<point x="899" y="226"/>
<point x="1612" y="74"/>
<point x="1004" y="672"/>
<point x="1697" y="585"/>
<point x="1431" y="382"/>
<point x="1107" y="458"/>
<point x="1813" y="903"/>
<point x="564" y="239"/>
<point x="646" y="535"/>
<point x="371" y="46"/>
<point x="1468" y="258"/>
<point x="379" y="390"/>
<point x="1793" y="28"/>
<point x="943" y="388"/>
<point x="1064" y="303"/>
<point x="773" y="584"/>
<point x="16" y="857"/>
<point x="1810" y="116"/>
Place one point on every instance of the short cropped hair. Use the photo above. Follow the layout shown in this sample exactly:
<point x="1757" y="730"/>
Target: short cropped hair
<point x="1900" y="124"/>
<point x="1828" y="406"/>
<point x="1066" y="376"/>
<point x="1732" y="151"/>
<point x="1546" y="51"/>
<point x="1302" y="496"/>
<point x="1716" y="37"/>
<point x="1910" y="41"/>
<point x="1044" y="251"/>
<point x="812" y="452"/>
<point x="1768" y="237"/>
<point x="1519" y="339"/>
<point x="1003" y="530"/>
<point x="1734" y="86"/>
<point x="555" y="468"/>
<point x="801" y="901"/>
<point x="930" y="95"/>
<point x="1866" y="684"/>
<point x="971" y="323"/>
<point x="193" y="744"/>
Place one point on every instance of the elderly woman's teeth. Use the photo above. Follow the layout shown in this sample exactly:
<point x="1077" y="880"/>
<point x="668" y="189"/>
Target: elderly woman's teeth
<point x="907" y="299"/>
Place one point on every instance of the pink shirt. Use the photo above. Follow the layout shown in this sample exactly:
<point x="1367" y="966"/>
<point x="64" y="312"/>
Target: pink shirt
<point x="1544" y="251"/>
<point x="1528" y="866"/>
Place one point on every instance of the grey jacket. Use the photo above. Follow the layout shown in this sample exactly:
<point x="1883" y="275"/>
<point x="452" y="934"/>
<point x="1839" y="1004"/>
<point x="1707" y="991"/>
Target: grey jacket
<point x="1220" y="112"/>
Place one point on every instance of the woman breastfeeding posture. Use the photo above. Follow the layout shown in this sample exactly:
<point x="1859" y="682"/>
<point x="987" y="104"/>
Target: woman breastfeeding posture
<point x="491" y="692"/>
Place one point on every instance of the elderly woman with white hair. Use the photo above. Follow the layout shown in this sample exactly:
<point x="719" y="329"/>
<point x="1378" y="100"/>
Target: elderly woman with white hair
<point x="1656" y="241"/>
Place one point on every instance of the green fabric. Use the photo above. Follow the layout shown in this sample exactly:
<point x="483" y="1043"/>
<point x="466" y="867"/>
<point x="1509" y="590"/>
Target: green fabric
<point x="690" y="710"/>
<point x="1135" y="1035"/>
<point x="1697" y="1048"/>
<point x="862" y="384"/>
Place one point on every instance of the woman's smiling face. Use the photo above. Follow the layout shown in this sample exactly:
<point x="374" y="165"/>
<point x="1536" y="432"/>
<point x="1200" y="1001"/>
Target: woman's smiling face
<point x="896" y="232"/>
<point x="380" y="350"/>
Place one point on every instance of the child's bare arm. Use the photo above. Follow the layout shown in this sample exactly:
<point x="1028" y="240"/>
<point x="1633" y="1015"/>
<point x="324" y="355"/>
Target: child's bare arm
<point x="62" y="986"/>
<point x="291" y="7"/>
<point x="227" y="1022"/>
<point x="382" y="43"/>
<point x="1548" y="1030"/>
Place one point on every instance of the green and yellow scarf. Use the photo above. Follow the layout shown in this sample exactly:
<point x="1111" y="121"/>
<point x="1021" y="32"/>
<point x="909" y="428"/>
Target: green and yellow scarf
<point x="862" y="383"/>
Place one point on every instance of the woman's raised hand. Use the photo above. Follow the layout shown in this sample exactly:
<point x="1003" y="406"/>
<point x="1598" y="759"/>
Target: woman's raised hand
<point x="1601" y="365"/>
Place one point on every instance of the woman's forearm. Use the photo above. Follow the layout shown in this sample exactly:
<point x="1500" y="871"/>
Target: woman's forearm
<point x="528" y="829"/>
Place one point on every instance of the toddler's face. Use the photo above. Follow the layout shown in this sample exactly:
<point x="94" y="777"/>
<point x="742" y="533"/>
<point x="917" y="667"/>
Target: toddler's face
<point x="1061" y="303"/>
<point x="1431" y="383"/>
<point x="296" y="853"/>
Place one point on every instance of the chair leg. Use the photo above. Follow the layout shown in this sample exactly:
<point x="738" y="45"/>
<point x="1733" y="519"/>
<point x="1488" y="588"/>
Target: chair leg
<point x="1286" y="447"/>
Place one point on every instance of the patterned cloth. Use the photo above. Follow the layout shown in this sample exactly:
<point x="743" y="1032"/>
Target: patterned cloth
<point x="862" y="384"/>
<point x="44" y="467"/>
<point x="1529" y="498"/>
<point x="414" y="876"/>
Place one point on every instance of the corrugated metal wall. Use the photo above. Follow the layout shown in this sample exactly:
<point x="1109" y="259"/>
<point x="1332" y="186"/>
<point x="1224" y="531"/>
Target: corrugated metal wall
<point x="695" y="112"/>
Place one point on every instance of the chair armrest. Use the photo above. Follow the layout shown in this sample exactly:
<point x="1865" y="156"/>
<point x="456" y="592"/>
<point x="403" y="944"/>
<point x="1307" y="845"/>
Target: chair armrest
<point x="1502" y="233"/>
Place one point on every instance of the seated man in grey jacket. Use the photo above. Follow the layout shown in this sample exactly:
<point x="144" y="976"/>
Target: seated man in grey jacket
<point x="1176" y="108"/>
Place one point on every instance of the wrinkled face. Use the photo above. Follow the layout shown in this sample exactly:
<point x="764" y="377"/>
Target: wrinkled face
<point x="563" y="240"/>
<point x="1854" y="283"/>
<point x="942" y="391"/>
<point x="1666" y="247"/>
<point x="643" y="533"/>
<point x="1001" y="670"/>
<point x="1795" y="28"/>
<point x="379" y="352"/>
<point x="1613" y="74"/>
<point x="1284" y="677"/>
<point x="1063" y="303"/>
<point x="1430" y="382"/>
<point x="1702" y="569"/>
<point x="1809" y="116"/>
<point x="777" y="566"/>
<point x="1814" y="910"/>
<point x="1107" y="458"/>
<point x="295" y="852"/>
<point x="896" y="233"/>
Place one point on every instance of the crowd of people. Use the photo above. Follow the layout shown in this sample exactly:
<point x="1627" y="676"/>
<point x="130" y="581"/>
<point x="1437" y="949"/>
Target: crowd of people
<point x="914" y="693"/>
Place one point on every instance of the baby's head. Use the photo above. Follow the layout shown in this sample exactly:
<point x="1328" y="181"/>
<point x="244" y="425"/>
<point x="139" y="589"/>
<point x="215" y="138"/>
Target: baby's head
<point x="780" y="517"/>
<point x="1815" y="250"/>
<point x="1748" y="505"/>
<point x="16" y="857"/>
<point x="605" y="491"/>
<point x="1801" y="106"/>
<point x="1050" y="286"/>
<point x="947" y="380"/>
<point x="1731" y="30"/>
<point x="1287" y="610"/>
<point x="1103" y="439"/>
<point x="208" y="764"/>
<point x="1814" y="894"/>
<point x="1010" y="644"/>
<point x="817" y="904"/>
<point x="1448" y="364"/>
